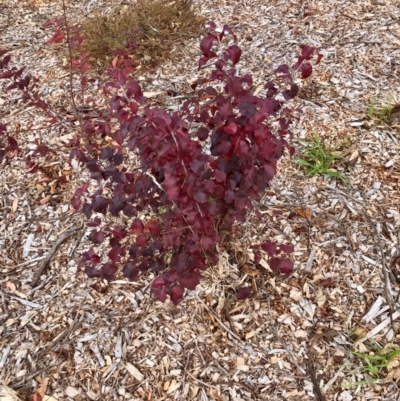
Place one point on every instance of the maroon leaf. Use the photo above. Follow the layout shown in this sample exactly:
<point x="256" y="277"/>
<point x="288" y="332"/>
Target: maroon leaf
<point x="212" y="26"/>
<point x="202" y="133"/>
<point x="197" y="166"/>
<point x="190" y="280"/>
<point x="307" y="52"/>
<point x="6" y="74"/>
<point x="104" y="128"/>
<point x="179" y="261"/>
<point x="282" y="69"/>
<point x="306" y="70"/>
<point x="153" y="227"/>
<point x="95" y="223"/>
<point x="233" y="53"/>
<point x="286" y="248"/>
<point x="108" y="270"/>
<point x="158" y="283"/>
<point x="269" y="248"/>
<point x="286" y="266"/>
<point x="115" y="242"/>
<point x="291" y="93"/>
<point x="177" y="294"/>
<point x="156" y="265"/>
<point x="137" y="226"/>
<point x="100" y="204"/>
<point x="76" y="203"/>
<point x="200" y="196"/>
<point x="119" y="232"/>
<point x="87" y="210"/>
<point x="243" y="292"/>
<point x="231" y="128"/>
<point x="207" y="44"/>
<point x="170" y="276"/>
<point x="91" y="271"/>
<point x="97" y="237"/>
<point x="106" y="153"/>
<point x="227" y="29"/>
<point x="220" y="176"/>
<point x="129" y="210"/>
<point x="327" y="282"/>
<point x="115" y="254"/>
<point x="207" y="243"/>
<point x="117" y="204"/>
<point x="57" y="37"/>
<point x="269" y="170"/>
<point x="274" y="263"/>
<point x="158" y="289"/>
<point x="91" y="256"/>
<point x="141" y="241"/>
<point x="160" y="294"/>
<point x="134" y="107"/>
<point x="130" y="271"/>
<point x="80" y="191"/>
<point x="12" y="143"/>
<point x="173" y="193"/>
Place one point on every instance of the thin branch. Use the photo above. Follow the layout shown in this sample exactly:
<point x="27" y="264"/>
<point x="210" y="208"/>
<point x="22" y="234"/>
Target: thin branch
<point x="71" y="92"/>
<point x="223" y="325"/>
<point x="184" y="218"/>
<point x="5" y="308"/>
<point x="53" y="251"/>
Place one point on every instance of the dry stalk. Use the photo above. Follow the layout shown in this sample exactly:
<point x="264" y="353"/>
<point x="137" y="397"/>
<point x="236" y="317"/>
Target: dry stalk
<point x="53" y="251"/>
<point x="226" y="328"/>
<point x="71" y="92"/>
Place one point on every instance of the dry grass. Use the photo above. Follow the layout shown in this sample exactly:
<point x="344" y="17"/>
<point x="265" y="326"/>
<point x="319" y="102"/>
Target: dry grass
<point x="158" y="28"/>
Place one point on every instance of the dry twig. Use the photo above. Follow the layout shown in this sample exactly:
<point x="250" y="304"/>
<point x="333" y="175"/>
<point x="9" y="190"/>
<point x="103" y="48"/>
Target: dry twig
<point x="234" y="335"/>
<point x="53" y="251"/>
<point x="71" y="91"/>
<point x="310" y="364"/>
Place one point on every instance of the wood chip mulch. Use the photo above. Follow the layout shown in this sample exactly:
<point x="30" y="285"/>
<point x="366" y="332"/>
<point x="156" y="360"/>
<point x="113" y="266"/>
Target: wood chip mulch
<point x="73" y="339"/>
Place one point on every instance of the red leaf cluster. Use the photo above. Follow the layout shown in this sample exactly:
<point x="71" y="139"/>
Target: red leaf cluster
<point x="30" y="95"/>
<point x="201" y="169"/>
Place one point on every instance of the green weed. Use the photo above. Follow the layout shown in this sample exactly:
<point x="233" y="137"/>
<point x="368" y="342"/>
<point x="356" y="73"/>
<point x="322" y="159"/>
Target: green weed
<point x="380" y="112"/>
<point x="320" y="159"/>
<point x="374" y="362"/>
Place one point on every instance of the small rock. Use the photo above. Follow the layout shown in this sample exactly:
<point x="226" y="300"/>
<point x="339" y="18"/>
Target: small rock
<point x="71" y="392"/>
<point x="346" y="396"/>
<point x="134" y="372"/>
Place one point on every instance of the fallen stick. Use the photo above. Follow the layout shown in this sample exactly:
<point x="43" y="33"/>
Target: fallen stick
<point x="53" y="251"/>
<point x="378" y="328"/>
<point x="226" y="328"/>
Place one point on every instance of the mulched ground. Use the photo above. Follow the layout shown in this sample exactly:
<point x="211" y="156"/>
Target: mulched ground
<point x="295" y="338"/>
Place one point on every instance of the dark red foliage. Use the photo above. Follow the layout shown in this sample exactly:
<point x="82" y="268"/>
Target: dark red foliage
<point x="243" y="292"/>
<point x="281" y="265"/>
<point x="269" y="247"/>
<point x="286" y="248"/>
<point x="28" y="87"/>
<point x="201" y="169"/>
